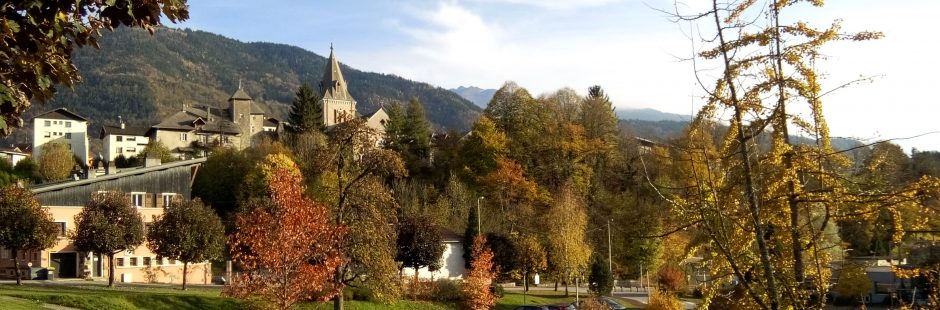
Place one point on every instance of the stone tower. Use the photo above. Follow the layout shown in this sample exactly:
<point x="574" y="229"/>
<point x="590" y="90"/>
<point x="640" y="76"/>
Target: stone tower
<point x="240" y="104"/>
<point x="338" y="105"/>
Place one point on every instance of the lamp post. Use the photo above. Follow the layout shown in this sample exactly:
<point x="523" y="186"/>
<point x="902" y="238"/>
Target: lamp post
<point x="610" y="255"/>
<point x="479" y="216"/>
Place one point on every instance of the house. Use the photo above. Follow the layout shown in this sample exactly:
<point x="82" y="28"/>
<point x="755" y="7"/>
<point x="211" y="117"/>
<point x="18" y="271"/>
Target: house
<point x="13" y="154"/>
<point x="124" y="140"/>
<point x="452" y="262"/>
<point x="239" y="124"/>
<point x="149" y="189"/>
<point x="61" y="125"/>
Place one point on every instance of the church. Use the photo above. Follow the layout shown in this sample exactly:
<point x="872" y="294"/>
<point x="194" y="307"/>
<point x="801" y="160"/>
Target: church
<point x="240" y="122"/>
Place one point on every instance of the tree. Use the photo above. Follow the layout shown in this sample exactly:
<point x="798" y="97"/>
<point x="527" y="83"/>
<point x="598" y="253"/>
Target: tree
<point x="418" y="135"/>
<point x="108" y="224"/>
<point x="476" y="290"/>
<point x="56" y="161"/>
<point x="419" y="244"/>
<point x="24" y="224"/>
<point x="41" y="36"/>
<point x="27" y="169"/>
<point x="853" y="282"/>
<point x="219" y="180"/>
<point x="569" y="252"/>
<point x="286" y="244"/>
<point x="505" y="254"/>
<point x="601" y="280"/>
<point x="470" y="234"/>
<point x="531" y="256"/>
<point x="156" y="149"/>
<point x="306" y="114"/>
<point x="189" y="232"/>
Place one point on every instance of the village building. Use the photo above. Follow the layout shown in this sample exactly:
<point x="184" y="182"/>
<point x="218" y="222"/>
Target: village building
<point x="451" y="262"/>
<point x="61" y="126"/>
<point x="124" y="140"/>
<point x="13" y="154"/>
<point x="149" y="189"/>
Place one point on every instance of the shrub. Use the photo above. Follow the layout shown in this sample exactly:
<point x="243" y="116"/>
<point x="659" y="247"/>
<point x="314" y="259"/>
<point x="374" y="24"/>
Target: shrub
<point x="671" y="278"/>
<point x="661" y="300"/>
<point x="593" y="304"/>
<point x="446" y="290"/>
<point x="853" y="282"/>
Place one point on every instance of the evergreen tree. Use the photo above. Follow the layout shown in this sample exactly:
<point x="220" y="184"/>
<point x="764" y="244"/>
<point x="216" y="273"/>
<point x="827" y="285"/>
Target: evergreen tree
<point x="472" y="231"/>
<point x="395" y="128"/>
<point x="601" y="280"/>
<point x="417" y="134"/>
<point x="306" y="114"/>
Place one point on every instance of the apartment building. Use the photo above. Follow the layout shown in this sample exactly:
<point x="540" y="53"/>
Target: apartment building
<point x="124" y="140"/>
<point x="64" y="126"/>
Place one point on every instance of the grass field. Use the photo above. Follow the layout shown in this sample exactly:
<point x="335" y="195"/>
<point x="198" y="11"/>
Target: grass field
<point x="94" y="295"/>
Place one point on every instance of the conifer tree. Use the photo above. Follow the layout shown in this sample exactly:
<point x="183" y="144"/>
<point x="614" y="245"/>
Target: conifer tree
<point x="306" y="114"/>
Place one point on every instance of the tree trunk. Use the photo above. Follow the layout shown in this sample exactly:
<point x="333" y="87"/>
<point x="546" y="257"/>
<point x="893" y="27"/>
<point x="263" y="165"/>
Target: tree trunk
<point x="556" y="285"/>
<point x="525" y="280"/>
<point x="565" y="282"/>
<point x="16" y="265"/>
<point x="185" y="273"/>
<point x="338" y="302"/>
<point x="111" y="269"/>
<point x="415" y="286"/>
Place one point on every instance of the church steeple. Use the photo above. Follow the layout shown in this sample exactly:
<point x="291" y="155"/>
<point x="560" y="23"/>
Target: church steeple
<point x="333" y="85"/>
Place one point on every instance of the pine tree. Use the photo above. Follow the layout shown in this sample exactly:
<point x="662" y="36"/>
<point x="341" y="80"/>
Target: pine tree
<point x="418" y="135"/>
<point x="306" y="113"/>
<point x="472" y="231"/>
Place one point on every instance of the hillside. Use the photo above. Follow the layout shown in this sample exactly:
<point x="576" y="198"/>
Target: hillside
<point x="144" y="78"/>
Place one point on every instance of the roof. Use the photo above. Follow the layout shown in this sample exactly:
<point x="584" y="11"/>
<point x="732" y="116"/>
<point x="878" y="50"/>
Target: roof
<point x="239" y="95"/>
<point x="61" y="113"/>
<point x="333" y="85"/>
<point x="368" y="116"/>
<point x="126" y="131"/>
<point x="124" y="173"/>
<point x="256" y="109"/>
<point x="271" y="122"/>
<point x="183" y="120"/>
<point x="12" y="149"/>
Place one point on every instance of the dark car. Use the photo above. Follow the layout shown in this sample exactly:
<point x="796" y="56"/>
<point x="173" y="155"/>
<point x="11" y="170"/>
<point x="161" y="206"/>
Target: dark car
<point x="561" y="307"/>
<point x="531" y="308"/>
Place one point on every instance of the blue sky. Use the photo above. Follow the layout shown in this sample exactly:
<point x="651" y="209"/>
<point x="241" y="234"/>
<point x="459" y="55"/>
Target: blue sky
<point x="626" y="46"/>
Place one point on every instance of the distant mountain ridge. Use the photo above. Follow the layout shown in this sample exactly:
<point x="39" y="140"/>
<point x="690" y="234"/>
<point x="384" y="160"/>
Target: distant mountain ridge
<point x="479" y="96"/>
<point x="652" y="115"/>
<point x="143" y="78"/>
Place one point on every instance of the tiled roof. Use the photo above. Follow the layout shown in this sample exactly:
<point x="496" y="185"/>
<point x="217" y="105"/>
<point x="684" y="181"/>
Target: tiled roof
<point x="333" y="85"/>
<point x="127" y="130"/>
<point x="271" y="122"/>
<point x="183" y="120"/>
<point x="240" y="95"/>
<point x="61" y="113"/>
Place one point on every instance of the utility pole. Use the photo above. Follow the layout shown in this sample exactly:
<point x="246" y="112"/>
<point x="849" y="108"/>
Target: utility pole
<point x="610" y="256"/>
<point x="479" y="216"/>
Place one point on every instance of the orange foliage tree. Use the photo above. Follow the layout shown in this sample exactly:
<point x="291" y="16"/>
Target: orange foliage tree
<point x="476" y="291"/>
<point x="286" y="244"/>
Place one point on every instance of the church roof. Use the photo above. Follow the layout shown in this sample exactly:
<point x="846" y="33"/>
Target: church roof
<point x="333" y="85"/>
<point x="240" y="95"/>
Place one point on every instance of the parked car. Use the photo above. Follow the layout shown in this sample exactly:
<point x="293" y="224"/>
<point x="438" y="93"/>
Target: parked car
<point x="561" y="307"/>
<point x="531" y="308"/>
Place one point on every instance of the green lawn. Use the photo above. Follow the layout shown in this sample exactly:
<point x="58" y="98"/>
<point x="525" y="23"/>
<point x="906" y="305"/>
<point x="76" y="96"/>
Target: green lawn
<point x="513" y="299"/>
<point x="10" y="303"/>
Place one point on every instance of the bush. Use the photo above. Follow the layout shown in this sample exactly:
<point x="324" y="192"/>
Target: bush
<point x="593" y="304"/>
<point x="671" y="278"/>
<point x="853" y="283"/>
<point x="497" y="290"/>
<point x="661" y="300"/>
<point x="446" y="290"/>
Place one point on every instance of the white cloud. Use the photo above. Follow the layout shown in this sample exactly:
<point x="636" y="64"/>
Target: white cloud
<point x="553" y="4"/>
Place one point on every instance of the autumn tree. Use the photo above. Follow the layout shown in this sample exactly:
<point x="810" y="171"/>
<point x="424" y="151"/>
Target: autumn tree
<point x="476" y="290"/>
<point x="286" y="244"/>
<point x="24" y="224"/>
<point x="156" y="149"/>
<point x="219" y="180"/>
<point x="108" y="224"/>
<point x="532" y="257"/>
<point x="350" y="180"/>
<point x="419" y="244"/>
<point x="56" y="161"/>
<point x="41" y="36"/>
<point x="569" y="252"/>
<point x="188" y="231"/>
<point x="306" y="114"/>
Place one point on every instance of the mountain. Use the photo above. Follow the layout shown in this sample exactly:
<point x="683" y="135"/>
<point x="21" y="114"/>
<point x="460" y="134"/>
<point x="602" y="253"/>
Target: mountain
<point x="480" y="97"/>
<point x="144" y="77"/>
<point x="651" y="115"/>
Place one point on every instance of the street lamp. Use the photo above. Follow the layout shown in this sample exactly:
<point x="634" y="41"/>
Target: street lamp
<point x="479" y="216"/>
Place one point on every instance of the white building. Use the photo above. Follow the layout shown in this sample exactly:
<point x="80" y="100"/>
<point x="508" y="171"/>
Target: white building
<point x="123" y="140"/>
<point x="452" y="262"/>
<point x="13" y="154"/>
<point x="61" y="125"/>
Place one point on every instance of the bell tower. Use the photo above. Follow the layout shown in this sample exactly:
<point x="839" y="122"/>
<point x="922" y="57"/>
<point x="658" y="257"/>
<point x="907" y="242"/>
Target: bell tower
<point x="338" y="106"/>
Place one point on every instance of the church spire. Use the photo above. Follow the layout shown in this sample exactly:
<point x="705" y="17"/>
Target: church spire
<point x="333" y="85"/>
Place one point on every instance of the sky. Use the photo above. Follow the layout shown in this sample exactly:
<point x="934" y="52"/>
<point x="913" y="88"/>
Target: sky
<point x="629" y="47"/>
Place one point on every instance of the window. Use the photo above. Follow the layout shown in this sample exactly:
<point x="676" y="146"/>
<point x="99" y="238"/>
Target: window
<point x="133" y="261"/>
<point x="131" y="150"/>
<point x="159" y="260"/>
<point x="61" y="227"/>
<point x="48" y="123"/>
<point x="131" y="139"/>
<point x="137" y="199"/>
<point x="119" y="150"/>
<point x="68" y="135"/>
<point x="119" y="138"/>
<point x="147" y="261"/>
<point x="68" y="124"/>
<point x="184" y="136"/>
<point x="119" y="262"/>
<point x="46" y="134"/>
<point x="168" y="199"/>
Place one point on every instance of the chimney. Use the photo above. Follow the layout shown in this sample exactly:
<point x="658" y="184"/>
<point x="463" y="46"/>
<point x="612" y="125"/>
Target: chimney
<point x="121" y="121"/>
<point x="208" y="113"/>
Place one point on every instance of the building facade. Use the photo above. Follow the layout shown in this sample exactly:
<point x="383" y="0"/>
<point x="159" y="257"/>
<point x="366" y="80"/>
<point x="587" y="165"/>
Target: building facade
<point x="149" y="190"/>
<point x="61" y="126"/>
<point x="123" y="140"/>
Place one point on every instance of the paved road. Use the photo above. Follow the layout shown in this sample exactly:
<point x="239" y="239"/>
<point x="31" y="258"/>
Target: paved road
<point x="635" y="295"/>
